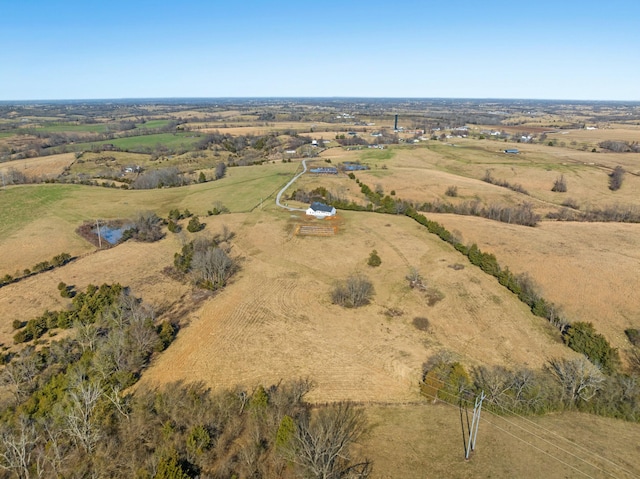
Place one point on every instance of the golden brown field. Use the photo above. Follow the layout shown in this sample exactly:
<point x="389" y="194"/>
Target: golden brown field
<point x="275" y="320"/>
<point x="40" y="167"/>
<point x="425" y="441"/>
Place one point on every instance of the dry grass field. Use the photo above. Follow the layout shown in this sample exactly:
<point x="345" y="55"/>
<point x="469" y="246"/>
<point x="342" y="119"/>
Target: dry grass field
<point x="38" y="222"/>
<point x="591" y="138"/>
<point x="590" y="269"/>
<point x="425" y="441"/>
<point x="276" y="320"/>
<point x="40" y="167"/>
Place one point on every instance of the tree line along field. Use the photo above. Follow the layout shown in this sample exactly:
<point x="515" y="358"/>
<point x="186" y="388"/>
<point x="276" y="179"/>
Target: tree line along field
<point x="275" y="320"/>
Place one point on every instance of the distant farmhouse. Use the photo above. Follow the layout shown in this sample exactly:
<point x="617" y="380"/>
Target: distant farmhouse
<point x="320" y="210"/>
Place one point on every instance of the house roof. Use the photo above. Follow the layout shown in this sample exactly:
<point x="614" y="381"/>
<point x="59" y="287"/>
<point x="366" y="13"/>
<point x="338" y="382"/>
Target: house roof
<point x="317" y="206"/>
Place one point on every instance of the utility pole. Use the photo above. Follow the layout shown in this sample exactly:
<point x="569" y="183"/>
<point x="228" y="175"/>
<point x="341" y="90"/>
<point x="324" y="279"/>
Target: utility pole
<point x="99" y="237"/>
<point x="475" y="422"/>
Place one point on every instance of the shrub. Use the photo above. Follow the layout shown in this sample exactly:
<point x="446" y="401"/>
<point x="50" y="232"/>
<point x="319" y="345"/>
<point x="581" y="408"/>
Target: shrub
<point x="560" y="185"/>
<point x="173" y="227"/>
<point x="194" y="225"/>
<point x="421" y="323"/>
<point x="615" y="178"/>
<point x="17" y="324"/>
<point x="571" y="203"/>
<point x="632" y="334"/>
<point x="356" y="291"/>
<point x="175" y="215"/>
<point x="583" y="338"/>
<point x="452" y="191"/>
<point x="374" y="260"/>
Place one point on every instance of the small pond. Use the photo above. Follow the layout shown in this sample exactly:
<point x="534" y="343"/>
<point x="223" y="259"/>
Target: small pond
<point x="111" y="234"/>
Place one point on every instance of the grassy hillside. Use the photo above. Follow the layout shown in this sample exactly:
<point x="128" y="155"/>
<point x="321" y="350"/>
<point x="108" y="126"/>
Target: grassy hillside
<point x="47" y="215"/>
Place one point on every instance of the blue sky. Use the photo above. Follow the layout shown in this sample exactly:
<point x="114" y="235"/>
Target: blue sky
<point x="561" y="49"/>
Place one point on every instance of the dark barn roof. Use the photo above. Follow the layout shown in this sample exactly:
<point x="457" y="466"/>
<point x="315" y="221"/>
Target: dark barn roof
<point x="317" y="206"/>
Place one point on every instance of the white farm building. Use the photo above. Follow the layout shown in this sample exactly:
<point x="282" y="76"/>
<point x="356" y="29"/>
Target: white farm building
<point x="320" y="210"/>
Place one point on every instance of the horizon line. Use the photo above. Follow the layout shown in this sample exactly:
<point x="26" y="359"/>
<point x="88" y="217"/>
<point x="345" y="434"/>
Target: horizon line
<point x="210" y="98"/>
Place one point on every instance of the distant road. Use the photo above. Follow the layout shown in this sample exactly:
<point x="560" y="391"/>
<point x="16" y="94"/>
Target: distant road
<point x="281" y="192"/>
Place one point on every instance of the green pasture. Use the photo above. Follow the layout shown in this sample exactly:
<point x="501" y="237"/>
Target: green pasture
<point x="240" y="191"/>
<point x="372" y="154"/>
<point x="19" y="205"/>
<point x="147" y="142"/>
<point x="75" y="128"/>
<point x="151" y="124"/>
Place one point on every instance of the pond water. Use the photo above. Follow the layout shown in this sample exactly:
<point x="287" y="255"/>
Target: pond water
<point x="111" y="234"/>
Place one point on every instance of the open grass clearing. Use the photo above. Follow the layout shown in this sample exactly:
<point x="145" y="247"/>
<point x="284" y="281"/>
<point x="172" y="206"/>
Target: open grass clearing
<point x="146" y="142"/>
<point x="593" y="137"/>
<point x="425" y="441"/>
<point x="424" y="173"/>
<point x="589" y="269"/>
<point x="73" y="128"/>
<point x="49" y="214"/>
<point x="276" y="320"/>
<point x="40" y="167"/>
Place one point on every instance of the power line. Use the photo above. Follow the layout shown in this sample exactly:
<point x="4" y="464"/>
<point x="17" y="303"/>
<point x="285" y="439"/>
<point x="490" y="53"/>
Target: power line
<point x="573" y="443"/>
<point x="543" y="439"/>
<point x="519" y="438"/>
<point x="539" y="449"/>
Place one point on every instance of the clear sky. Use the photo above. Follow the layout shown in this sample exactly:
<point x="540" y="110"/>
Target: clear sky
<point x="83" y="49"/>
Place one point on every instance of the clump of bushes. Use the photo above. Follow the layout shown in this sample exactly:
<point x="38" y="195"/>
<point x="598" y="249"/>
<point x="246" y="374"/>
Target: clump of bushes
<point x="560" y="185"/>
<point x="374" y="259"/>
<point x="583" y="338"/>
<point x="209" y="265"/>
<point x="218" y="209"/>
<point x="66" y="291"/>
<point x="194" y="225"/>
<point x="615" y="178"/>
<point x="147" y="227"/>
<point x="452" y="191"/>
<point x="634" y="336"/>
<point x="356" y="291"/>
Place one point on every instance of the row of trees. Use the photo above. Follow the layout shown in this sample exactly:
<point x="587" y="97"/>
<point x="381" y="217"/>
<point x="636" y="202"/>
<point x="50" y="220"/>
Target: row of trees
<point x="57" y="261"/>
<point x="581" y="337"/>
<point x="563" y="384"/>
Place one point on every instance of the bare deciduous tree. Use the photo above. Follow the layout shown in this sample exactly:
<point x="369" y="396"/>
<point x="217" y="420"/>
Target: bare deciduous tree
<point x="212" y="267"/>
<point x="17" y="446"/>
<point x="579" y="378"/>
<point x="321" y="444"/>
<point x="79" y="415"/>
<point x="356" y="291"/>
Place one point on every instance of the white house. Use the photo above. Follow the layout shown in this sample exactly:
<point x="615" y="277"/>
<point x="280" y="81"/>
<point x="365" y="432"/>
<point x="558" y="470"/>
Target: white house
<point x="320" y="210"/>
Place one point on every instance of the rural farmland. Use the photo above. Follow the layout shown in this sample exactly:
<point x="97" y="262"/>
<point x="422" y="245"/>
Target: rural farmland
<point x="225" y="327"/>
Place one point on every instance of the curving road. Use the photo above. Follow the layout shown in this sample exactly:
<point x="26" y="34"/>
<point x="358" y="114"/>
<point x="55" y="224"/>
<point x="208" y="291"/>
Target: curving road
<point x="281" y="192"/>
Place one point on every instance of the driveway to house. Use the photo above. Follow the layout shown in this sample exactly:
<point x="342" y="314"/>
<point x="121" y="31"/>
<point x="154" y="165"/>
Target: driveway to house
<point x="281" y="192"/>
